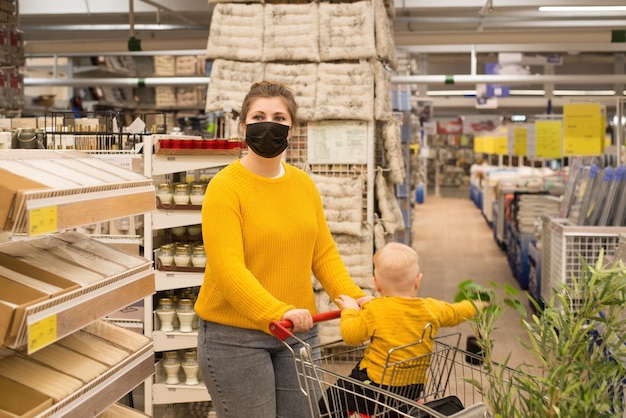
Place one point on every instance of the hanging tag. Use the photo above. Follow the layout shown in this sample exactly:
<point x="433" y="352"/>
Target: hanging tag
<point x="137" y="127"/>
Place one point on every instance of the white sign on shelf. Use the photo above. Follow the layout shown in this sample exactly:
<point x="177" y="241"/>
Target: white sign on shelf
<point x="337" y="142"/>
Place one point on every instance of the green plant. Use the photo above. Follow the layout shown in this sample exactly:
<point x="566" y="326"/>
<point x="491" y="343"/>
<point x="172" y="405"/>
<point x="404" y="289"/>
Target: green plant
<point x="577" y="339"/>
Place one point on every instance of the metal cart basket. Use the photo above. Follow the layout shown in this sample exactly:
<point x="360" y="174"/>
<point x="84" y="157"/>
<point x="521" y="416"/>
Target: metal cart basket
<point x="450" y="375"/>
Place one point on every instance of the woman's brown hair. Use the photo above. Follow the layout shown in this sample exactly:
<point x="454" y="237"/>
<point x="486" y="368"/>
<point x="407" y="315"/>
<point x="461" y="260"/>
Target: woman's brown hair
<point x="270" y="89"/>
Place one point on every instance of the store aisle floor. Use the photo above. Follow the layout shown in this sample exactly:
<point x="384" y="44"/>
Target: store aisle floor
<point x="455" y="243"/>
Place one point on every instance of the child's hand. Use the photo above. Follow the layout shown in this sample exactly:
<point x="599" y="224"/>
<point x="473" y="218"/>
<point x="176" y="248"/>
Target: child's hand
<point x="364" y="299"/>
<point x="346" y="302"/>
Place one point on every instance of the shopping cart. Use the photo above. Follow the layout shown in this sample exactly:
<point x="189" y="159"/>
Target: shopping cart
<point x="451" y="379"/>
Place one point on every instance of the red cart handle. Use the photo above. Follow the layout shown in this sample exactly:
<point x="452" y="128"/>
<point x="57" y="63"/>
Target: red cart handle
<point x="280" y="329"/>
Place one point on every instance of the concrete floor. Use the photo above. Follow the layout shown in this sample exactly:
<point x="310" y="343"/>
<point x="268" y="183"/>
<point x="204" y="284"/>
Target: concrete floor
<point x="455" y="243"/>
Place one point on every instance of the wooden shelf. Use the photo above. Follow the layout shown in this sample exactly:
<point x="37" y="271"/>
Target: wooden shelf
<point x="44" y="210"/>
<point x="98" y="395"/>
<point x="76" y="309"/>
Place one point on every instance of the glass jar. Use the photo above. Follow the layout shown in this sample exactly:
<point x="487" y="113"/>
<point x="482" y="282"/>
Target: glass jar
<point x="195" y="232"/>
<point x="122" y="224"/>
<point x="185" y="314"/>
<point x="172" y="365"/>
<point x="190" y="367"/>
<point x="198" y="256"/>
<point x="197" y="193"/>
<point x="182" y="256"/>
<point x="165" y="312"/>
<point x="166" y="255"/>
<point x="179" y="232"/>
<point x="181" y="194"/>
<point x="164" y="193"/>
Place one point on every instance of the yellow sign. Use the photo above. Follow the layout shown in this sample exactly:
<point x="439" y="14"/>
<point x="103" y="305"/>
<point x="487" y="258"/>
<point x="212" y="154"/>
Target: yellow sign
<point x="42" y="220"/>
<point x="42" y="333"/>
<point x="501" y="144"/>
<point x="490" y="144"/>
<point x="520" y="142"/>
<point x="479" y="144"/>
<point x="548" y="139"/>
<point x="583" y="129"/>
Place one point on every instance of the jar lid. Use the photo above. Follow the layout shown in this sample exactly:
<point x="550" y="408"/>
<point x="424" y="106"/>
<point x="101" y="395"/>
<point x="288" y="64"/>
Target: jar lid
<point x="171" y="354"/>
<point x="182" y="186"/>
<point x="185" y="302"/>
<point x="190" y="354"/>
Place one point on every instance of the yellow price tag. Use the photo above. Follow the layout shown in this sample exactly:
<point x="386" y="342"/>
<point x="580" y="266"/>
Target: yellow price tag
<point x="42" y="333"/>
<point x="42" y="220"/>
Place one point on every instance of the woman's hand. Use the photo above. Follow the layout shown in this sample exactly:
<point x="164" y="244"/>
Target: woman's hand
<point x="301" y="319"/>
<point x="346" y="302"/>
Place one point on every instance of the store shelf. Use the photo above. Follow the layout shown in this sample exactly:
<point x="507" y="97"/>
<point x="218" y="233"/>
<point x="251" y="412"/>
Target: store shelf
<point x="165" y="164"/>
<point x="159" y="162"/>
<point x="164" y="394"/>
<point x="175" y="340"/>
<point x="99" y="394"/>
<point x="60" y="316"/>
<point x="165" y="218"/>
<point x="165" y="280"/>
<point x="37" y="209"/>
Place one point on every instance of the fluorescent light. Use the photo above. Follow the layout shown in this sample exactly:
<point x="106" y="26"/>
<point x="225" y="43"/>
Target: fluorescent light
<point x="584" y="92"/>
<point x="514" y="93"/>
<point x="451" y="93"/>
<point x="581" y="8"/>
<point x="527" y="92"/>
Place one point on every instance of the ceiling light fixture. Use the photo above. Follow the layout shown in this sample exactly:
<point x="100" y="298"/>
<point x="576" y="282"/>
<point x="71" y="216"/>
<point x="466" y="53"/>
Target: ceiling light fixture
<point x="581" y="8"/>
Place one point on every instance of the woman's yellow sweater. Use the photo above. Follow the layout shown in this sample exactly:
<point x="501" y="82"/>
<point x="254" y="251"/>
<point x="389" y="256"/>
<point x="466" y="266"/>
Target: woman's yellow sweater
<point x="263" y="237"/>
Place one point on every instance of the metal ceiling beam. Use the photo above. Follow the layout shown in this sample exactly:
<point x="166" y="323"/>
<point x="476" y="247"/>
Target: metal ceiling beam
<point x="572" y="37"/>
<point x="521" y="47"/>
<point x="117" y="47"/>
<point x="477" y="4"/>
<point x="460" y="79"/>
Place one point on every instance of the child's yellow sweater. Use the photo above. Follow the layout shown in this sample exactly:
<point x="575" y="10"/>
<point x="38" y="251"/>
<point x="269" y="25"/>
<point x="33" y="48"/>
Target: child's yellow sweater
<point x="389" y="322"/>
<point x="263" y="237"/>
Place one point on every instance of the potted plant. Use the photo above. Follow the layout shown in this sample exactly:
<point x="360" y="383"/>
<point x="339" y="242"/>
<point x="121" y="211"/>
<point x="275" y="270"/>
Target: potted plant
<point x="577" y="340"/>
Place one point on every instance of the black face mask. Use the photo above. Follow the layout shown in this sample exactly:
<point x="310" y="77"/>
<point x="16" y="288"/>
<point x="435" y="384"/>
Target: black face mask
<point x="267" y="139"/>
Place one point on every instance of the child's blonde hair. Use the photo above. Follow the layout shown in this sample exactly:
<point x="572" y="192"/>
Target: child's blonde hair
<point x="396" y="265"/>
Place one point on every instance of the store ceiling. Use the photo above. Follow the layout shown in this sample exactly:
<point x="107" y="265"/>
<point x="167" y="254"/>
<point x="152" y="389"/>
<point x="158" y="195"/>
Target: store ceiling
<point x="420" y="25"/>
<point x="439" y="37"/>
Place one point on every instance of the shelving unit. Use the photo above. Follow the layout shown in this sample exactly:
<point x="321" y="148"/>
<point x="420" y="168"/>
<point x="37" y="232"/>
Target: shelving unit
<point x="158" y="164"/>
<point x="403" y="191"/>
<point x="77" y="308"/>
<point x="45" y="209"/>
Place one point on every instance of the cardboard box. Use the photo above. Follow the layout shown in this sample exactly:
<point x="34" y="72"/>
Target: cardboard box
<point x="23" y="123"/>
<point x="21" y="401"/>
<point x="14" y="299"/>
<point x="12" y="187"/>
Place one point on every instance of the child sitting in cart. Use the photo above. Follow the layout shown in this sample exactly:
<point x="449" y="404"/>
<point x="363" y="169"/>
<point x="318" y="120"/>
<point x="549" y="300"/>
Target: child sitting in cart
<point x="397" y="318"/>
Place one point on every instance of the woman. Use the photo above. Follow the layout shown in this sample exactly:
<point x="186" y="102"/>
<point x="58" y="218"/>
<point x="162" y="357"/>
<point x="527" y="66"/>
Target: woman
<point x="264" y="231"/>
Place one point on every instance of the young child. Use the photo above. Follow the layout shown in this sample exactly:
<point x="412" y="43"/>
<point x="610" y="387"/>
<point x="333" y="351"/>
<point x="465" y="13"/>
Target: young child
<point x="397" y="318"/>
